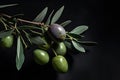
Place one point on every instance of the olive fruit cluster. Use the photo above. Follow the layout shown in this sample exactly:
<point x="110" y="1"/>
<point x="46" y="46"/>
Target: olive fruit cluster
<point x="57" y="35"/>
<point x="50" y="38"/>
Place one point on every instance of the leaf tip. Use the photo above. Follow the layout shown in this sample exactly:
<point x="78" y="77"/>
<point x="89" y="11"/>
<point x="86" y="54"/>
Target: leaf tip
<point x="46" y="8"/>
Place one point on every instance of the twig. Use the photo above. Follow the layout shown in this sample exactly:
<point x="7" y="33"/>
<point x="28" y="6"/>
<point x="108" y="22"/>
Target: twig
<point x="54" y="52"/>
<point x="25" y="21"/>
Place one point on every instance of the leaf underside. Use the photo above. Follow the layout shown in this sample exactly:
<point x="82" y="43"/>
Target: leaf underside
<point x="66" y="23"/>
<point x="79" y="30"/>
<point x="8" y="5"/>
<point x="78" y="47"/>
<point x="20" y="54"/>
<point x="41" y="15"/>
<point x="49" y="18"/>
<point x="57" y="15"/>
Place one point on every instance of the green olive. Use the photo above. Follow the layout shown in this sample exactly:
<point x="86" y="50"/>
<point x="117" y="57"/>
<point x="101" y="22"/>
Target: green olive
<point x="7" y="41"/>
<point x="60" y="64"/>
<point x="60" y="48"/>
<point x="40" y="56"/>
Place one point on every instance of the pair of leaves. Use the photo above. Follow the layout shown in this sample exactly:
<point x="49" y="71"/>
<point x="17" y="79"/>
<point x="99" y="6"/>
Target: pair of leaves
<point x="43" y="13"/>
<point x="76" y="35"/>
<point x="40" y="17"/>
<point x="76" y="45"/>
<point x="8" y="5"/>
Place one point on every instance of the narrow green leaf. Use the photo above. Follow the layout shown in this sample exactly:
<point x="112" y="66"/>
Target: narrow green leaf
<point x="66" y="23"/>
<point x="79" y="29"/>
<point x="77" y="46"/>
<point x="27" y="36"/>
<point x="28" y="27"/>
<point x="41" y="15"/>
<point x="8" y="5"/>
<point x="49" y="18"/>
<point x="38" y="40"/>
<point x="68" y="44"/>
<point x="88" y="43"/>
<point x="5" y="33"/>
<point x="20" y="54"/>
<point x="76" y="36"/>
<point x="17" y="15"/>
<point x="57" y="15"/>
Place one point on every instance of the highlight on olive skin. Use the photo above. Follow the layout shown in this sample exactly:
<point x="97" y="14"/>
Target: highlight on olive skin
<point x="7" y="41"/>
<point x="57" y="32"/>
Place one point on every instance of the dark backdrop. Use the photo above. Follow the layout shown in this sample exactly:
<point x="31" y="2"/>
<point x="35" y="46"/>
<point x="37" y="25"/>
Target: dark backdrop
<point x="101" y="62"/>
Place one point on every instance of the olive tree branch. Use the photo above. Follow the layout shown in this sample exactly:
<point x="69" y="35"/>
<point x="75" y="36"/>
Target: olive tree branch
<point x="22" y="20"/>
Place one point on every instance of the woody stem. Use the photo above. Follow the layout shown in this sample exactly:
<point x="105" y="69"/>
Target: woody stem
<point x="25" y="21"/>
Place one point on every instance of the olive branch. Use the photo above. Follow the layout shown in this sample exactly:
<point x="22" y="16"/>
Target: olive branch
<point x="45" y="35"/>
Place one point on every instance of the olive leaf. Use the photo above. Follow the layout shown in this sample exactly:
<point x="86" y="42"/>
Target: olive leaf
<point x="6" y="33"/>
<point x="20" y="54"/>
<point x="78" y="47"/>
<point x="38" y="40"/>
<point x="8" y="5"/>
<point x="87" y="43"/>
<point x="76" y="36"/>
<point x="57" y="15"/>
<point x="41" y="15"/>
<point x="17" y="15"/>
<point x="28" y="27"/>
<point x="79" y="30"/>
<point x="68" y="44"/>
<point x="28" y="36"/>
<point x="66" y="23"/>
<point x="49" y="18"/>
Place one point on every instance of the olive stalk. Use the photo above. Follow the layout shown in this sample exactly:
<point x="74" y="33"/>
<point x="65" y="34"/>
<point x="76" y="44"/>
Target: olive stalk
<point x="54" y="52"/>
<point x="26" y="34"/>
<point x="71" y="38"/>
<point x="5" y="25"/>
<point x="25" y="21"/>
<point x="23" y="41"/>
<point x="20" y="35"/>
<point x="16" y="28"/>
<point x="35" y="32"/>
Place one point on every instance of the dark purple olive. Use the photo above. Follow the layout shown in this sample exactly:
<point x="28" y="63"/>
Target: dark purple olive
<point x="57" y="32"/>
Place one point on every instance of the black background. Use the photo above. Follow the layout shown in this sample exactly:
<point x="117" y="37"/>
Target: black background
<point x="101" y="62"/>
